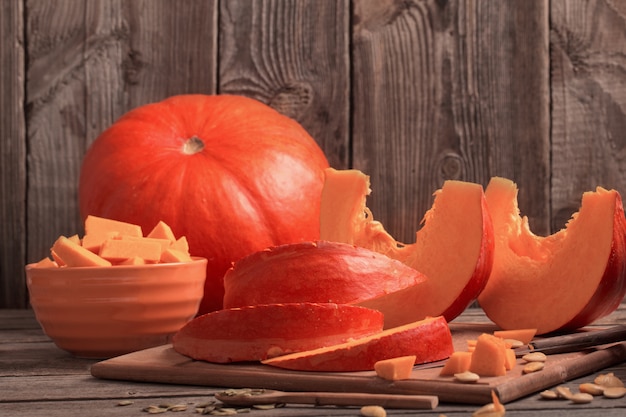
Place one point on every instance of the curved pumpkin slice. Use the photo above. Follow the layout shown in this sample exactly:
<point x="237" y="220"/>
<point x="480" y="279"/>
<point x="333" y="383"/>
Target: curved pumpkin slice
<point x="429" y="340"/>
<point x="454" y="248"/>
<point x="315" y="272"/>
<point x="562" y="281"/>
<point x="259" y="332"/>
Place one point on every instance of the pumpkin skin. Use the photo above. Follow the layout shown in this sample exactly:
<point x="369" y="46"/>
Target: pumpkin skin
<point x="228" y="172"/>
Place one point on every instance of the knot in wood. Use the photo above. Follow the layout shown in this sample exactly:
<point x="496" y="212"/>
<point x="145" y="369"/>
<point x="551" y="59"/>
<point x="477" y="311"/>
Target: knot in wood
<point x="293" y="100"/>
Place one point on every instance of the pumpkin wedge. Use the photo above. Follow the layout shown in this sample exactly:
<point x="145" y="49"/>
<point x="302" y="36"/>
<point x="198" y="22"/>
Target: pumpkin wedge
<point x="315" y="272"/>
<point x="255" y="333"/>
<point x="454" y="248"/>
<point x="559" y="282"/>
<point x="429" y="340"/>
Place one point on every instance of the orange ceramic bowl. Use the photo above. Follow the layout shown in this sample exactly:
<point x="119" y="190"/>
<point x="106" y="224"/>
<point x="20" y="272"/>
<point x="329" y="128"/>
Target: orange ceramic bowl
<point x="101" y="312"/>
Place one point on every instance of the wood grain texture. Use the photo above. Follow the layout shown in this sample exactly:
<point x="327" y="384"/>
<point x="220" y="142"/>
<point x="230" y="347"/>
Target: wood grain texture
<point x="411" y="92"/>
<point x="293" y="56"/>
<point x="588" y="53"/>
<point x="13" y="157"/>
<point x="449" y="90"/>
<point x="90" y="62"/>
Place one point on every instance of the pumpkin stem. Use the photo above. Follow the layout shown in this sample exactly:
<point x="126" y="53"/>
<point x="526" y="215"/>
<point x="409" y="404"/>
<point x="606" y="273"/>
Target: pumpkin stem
<point x="193" y="145"/>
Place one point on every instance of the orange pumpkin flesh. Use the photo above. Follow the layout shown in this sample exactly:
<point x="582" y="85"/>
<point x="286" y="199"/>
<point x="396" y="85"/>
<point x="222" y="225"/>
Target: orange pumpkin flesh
<point x="523" y="335"/>
<point x="457" y="363"/>
<point x="489" y="358"/>
<point x="429" y="340"/>
<point x="454" y="248"/>
<point x="315" y="272"/>
<point x="562" y="281"/>
<point x="231" y="174"/>
<point x="395" y="369"/>
<point x="259" y="332"/>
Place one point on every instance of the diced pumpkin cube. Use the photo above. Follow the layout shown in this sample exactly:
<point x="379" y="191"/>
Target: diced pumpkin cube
<point x="135" y="260"/>
<point x="56" y="258"/>
<point x="73" y="254"/>
<point x="101" y="226"/>
<point x="117" y="250"/>
<point x="509" y="360"/>
<point x="489" y="356"/>
<point x="162" y="231"/>
<point x="395" y="369"/>
<point x="93" y="242"/>
<point x="173" y="255"/>
<point x="164" y="243"/>
<point x="181" y="244"/>
<point x="457" y="363"/>
<point x="46" y="263"/>
<point x="75" y="239"/>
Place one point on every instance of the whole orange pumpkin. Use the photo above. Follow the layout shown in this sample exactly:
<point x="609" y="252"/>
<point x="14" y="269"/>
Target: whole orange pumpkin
<point x="228" y="172"/>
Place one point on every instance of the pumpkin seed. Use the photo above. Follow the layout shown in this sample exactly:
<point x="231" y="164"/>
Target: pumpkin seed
<point x="548" y="395"/>
<point x="264" y="406"/>
<point x="224" y="412"/>
<point x="155" y="409"/>
<point x="608" y="380"/>
<point x="564" y="392"/>
<point x="535" y="357"/>
<point x="614" y="392"/>
<point x="373" y="411"/>
<point x="591" y="388"/>
<point x="124" y="403"/>
<point x="531" y="367"/>
<point x="581" y="398"/>
<point x="177" y="407"/>
<point x="514" y="343"/>
<point x="467" y="376"/>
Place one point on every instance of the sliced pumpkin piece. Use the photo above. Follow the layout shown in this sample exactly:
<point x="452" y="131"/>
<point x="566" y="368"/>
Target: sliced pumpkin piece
<point x="428" y="340"/>
<point x="457" y="363"/>
<point x="315" y="272"/>
<point x="454" y="247"/>
<point x="254" y="333"/>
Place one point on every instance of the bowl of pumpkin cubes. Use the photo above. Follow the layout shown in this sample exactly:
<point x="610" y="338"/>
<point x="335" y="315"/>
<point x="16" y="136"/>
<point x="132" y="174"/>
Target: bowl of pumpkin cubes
<point x="115" y="290"/>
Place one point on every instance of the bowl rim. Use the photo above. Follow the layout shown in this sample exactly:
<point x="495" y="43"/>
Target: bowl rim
<point x="195" y="260"/>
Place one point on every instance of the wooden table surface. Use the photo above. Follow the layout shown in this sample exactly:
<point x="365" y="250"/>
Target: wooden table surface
<point x="38" y="379"/>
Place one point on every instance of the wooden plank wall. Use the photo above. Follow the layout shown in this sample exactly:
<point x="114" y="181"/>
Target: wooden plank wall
<point x="411" y="92"/>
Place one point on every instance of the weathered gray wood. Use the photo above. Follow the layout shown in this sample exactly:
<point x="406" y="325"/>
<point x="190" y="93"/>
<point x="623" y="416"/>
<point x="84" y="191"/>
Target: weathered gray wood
<point x="588" y="53"/>
<point x="449" y="90"/>
<point x="12" y="157"/>
<point x="68" y="389"/>
<point x="412" y="93"/>
<point x="293" y="56"/>
<point x="90" y="62"/>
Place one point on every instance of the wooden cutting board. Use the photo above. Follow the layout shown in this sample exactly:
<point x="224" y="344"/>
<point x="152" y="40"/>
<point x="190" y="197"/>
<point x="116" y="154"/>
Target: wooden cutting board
<point x="164" y="365"/>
